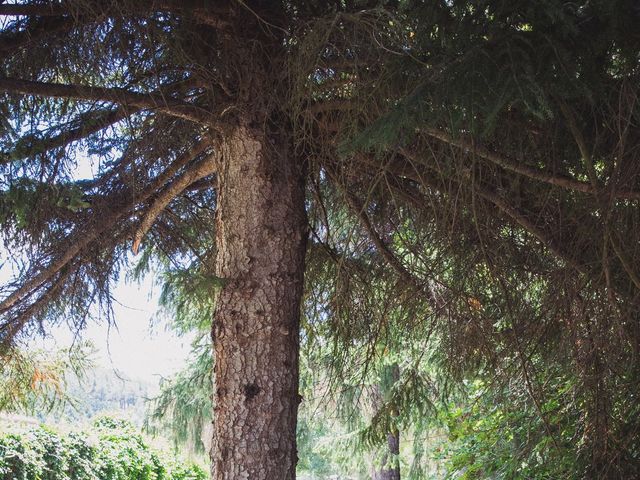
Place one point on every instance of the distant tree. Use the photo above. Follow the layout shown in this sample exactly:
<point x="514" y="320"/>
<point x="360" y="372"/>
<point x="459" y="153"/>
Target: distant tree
<point x="183" y="408"/>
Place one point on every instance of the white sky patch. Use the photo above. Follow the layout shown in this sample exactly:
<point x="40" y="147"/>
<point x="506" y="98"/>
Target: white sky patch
<point x="139" y="345"/>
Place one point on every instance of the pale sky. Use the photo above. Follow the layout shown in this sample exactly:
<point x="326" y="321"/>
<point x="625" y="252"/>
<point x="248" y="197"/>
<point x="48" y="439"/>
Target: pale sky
<point x="139" y="345"/>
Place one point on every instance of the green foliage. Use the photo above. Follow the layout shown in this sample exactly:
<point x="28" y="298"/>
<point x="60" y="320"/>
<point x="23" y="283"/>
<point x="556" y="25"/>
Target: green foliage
<point x="110" y="450"/>
<point x="183" y="408"/>
<point x="325" y="448"/>
<point x="493" y="437"/>
<point x="25" y="201"/>
<point x="473" y="175"/>
<point x="103" y="390"/>
<point x="475" y="63"/>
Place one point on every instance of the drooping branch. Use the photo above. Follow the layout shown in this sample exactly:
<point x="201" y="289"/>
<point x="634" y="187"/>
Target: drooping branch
<point x="510" y="211"/>
<point x="521" y="219"/>
<point x="106" y="222"/>
<point x="199" y="171"/>
<point x="357" y="207"/>
<point x="521" y="169"/>
<point x="11" y="328"/>
<point x="36" y="10"/>
<point x="193" y="152"/>
<point x="147" y="101"/>
<point x="198" y="9"/>
<point x="89" y="124"/>
<point x="81" y="241"/>
<point x="626" y="264"/>
<point x="383" y="249"/>
<point x="35" y="30"/>
<point x="84" y="125"/>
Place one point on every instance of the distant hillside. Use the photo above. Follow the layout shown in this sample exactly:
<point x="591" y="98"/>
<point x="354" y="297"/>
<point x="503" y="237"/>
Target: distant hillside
<point x="10" y="419"/>
<point x="103" y="390"/>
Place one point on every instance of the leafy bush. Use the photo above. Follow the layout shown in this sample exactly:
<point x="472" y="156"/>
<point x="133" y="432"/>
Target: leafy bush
<point x="111" y="450"/>
<point x="508" y="437"/>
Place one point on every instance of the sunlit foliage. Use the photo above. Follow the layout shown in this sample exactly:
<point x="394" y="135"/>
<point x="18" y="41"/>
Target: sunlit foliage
<point x="110" y="450"/>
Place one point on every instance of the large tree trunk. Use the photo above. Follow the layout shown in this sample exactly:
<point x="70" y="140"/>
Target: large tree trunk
<point x="261" y="239"/>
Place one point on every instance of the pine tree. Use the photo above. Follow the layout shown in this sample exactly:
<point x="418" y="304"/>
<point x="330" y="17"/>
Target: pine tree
<point x="166" y="95"/>
<point x="484" y="153"/>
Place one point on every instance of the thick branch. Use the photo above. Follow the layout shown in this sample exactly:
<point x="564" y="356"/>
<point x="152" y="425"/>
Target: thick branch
<point x="201" y="170"/>
<point x="581" y="143"/>
<point x="626" y="264"/>
<point x="150" y="101"/>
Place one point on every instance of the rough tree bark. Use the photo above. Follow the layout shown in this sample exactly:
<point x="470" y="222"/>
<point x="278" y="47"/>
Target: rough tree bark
<point x="261" y="240"/>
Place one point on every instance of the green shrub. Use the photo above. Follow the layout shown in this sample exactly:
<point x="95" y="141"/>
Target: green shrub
<point x="110" y="450"/>
<point x="504" y="437"/>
